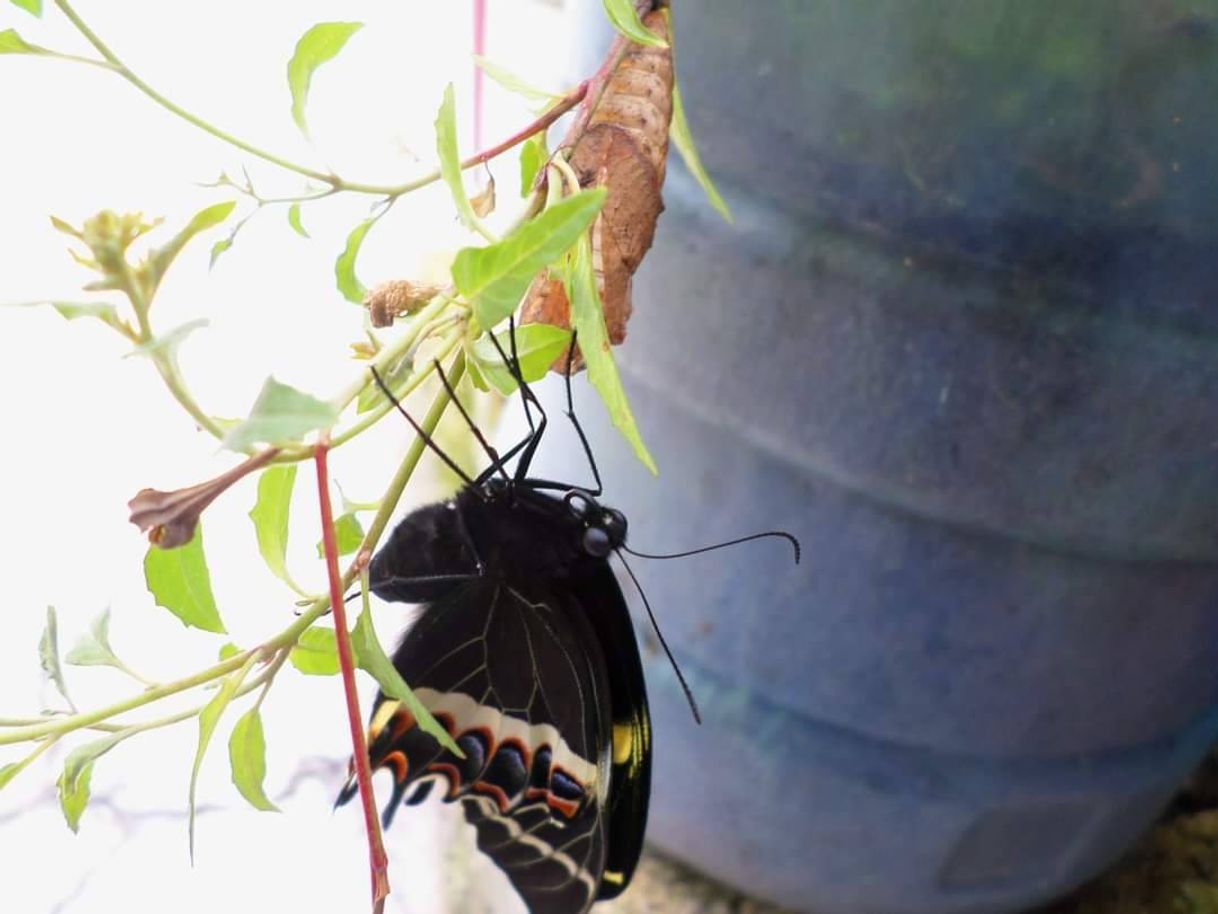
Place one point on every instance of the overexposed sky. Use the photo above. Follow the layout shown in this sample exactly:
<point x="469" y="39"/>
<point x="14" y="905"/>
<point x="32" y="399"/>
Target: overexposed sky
<point x="84" y="428"/>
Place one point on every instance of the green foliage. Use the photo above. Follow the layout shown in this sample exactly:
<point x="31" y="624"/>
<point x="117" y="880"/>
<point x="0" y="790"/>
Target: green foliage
<point x="281" y="415"/>
<point x="511" y="81"/>
<point x="626" y="20"/>
<point x="371" y="657"/>
<point x="270" y="516"/>
<point x="450" y="164"/>
<point x="163" y="257"/>
<point x="681" y="137"/>
<point x="316" y="46"/>
<point x="48" y="655"/>
<point x="344" y="268"/>
<point x="533" y="155"/>
<point x="537" y="346"/>
<point x="93" y="648"/>
<point x="247" y="756"/>
<point x="33" y="7"/>
<point x="208" y="718"/>
<point x="74" y="795"/>
<point x="494" y="278"/>
<point x="348" y="534"/>
<point x="294" y="220"/>
<point x="178" y="580"/>
<point x="589" y="320"/>
<point x="316" y="653"/>
<point x="167" y="343"/>
<point x="12" y="43"/>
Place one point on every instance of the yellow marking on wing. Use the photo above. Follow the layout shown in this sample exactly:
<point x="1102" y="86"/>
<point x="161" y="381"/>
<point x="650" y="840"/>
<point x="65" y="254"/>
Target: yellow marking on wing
<point x="613" y="877"/>
<point x="383" y="715"/>
<point x="623" y="743"/>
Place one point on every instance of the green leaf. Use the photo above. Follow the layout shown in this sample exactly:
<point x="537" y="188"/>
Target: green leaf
<point x="349" y="534"/>
<point x="371" y="657"/>
<point x="270" y="516"/>
<point x="280" y="415"/>
<point x="33" y="7"/>
<point x="684" y="141"/>
<point x="344" y="268"/>
<point x="168" y="342"/>
<point x="589" y="320"/>
<point x="10" y="771"/>
<point x="104" y="312"/>
<point x="294" y="220"/>
<point x="228" y="650"/>
<point x="74" y="797"/>
<point x="48" y="655"/>
<point x="537" y="346"/>
<point x="247" y="756"/>
<point x="511" y="81"/>
<point x="208" y="718"/>
<point x="372" y="396"/>
<point x="316" y="653"/>
<point x="209" y="217"/>
<point x="179" y="581"/>
<point x="93" y="647"/>
<point x="450" y="164"/>
<point x="12" y="43"/>
<point x="626" y="20"/>
<point x="533" y="155"/>
<point x="217" y="249"/>
<point x="316" y="46"/>
<point x="494" y="278"/>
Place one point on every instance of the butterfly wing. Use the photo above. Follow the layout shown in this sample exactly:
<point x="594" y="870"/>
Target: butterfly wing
<point x="515" y="672"/>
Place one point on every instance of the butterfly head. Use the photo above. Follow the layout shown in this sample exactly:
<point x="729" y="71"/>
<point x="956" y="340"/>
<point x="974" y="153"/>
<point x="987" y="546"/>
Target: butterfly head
<point x="603" y="529"/>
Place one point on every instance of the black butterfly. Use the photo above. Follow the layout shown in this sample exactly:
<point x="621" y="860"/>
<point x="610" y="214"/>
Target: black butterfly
<point x="525" y="653"/>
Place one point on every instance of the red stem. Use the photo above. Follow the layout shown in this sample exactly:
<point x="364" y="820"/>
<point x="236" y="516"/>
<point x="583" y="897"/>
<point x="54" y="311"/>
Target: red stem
<point x="378" y="861"/>
<point x="561" y="107"/>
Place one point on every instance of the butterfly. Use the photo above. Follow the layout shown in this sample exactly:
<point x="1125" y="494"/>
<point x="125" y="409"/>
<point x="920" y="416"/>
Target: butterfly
<point x="525" y="653"/>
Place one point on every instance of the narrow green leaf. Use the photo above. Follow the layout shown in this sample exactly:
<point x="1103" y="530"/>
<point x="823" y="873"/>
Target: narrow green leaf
<point x="104" y="312"/>
<point x="168" y="342"/>
<point x="280" y="415"/>
<point x="371" y="657"/>
<point x="83" y="757"/>
<point x="349" y="534"/>
<point x="179" y="581"/>
<point x="450" y="163"/>
<point x="533" y="155"/>
<point x="344" y="268"/>
<point x="161" y="258"/>
<point x="372" y="396"/>
<point x="48" y="655"/>
<point x="316" y="653"/>
<point x="247" y="756"/>
<point x="316" y="46"/>
<point x="10" y="771"/>
<point x="93" y="647"/>
<point x="217" y="249"/>
<point x="589" y="320"/>
<point x="294" y="220"/>
<point x="12" y="43"/>
<point x="33" y="7"/>
<point x="494" y="278"/>
<point x="228" y="650"/>
<point x="625" y="19"/>
<point x="270" y="516"/>
<point x="684" y="141"/>
<point x="511" y="81"/>
<point x="537" y="346"/>
<point x="74" y="797"/>
<point x="208" y="718"/>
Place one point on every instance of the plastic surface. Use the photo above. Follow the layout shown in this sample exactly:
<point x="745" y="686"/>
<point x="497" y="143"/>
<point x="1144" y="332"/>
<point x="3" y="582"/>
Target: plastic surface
<point x="962" y="341"/>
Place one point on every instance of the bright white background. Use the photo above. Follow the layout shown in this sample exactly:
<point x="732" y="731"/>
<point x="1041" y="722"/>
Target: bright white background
<point x="83" y="428"/>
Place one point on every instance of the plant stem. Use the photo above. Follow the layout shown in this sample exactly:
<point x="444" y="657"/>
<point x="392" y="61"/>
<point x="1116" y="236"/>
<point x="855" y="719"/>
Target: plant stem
<point x="378" y="860"/>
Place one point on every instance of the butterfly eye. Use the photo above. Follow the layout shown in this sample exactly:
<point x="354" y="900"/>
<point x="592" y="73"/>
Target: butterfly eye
<point x="613" y="522"/>
<point x="597" y="542"/>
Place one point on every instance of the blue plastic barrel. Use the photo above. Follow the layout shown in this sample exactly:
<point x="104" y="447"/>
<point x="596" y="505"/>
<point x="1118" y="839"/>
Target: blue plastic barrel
<point x="963" y="341"/>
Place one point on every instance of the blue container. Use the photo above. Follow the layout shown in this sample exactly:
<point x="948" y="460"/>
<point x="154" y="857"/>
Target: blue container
<point x="963" y="341"/>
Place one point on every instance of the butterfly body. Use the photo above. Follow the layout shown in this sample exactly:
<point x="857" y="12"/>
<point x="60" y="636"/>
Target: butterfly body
<point x="525" y="653"/>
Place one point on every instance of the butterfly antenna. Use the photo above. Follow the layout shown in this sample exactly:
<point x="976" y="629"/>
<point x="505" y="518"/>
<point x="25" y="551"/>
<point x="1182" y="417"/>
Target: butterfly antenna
<point x="419" y="430"/>
<point x="491" y="453"/>
<point x="527" y="397"/>
<point x="689" y="695"/>
<point x="781" y="534"/>
<point x="579" y="429"/>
